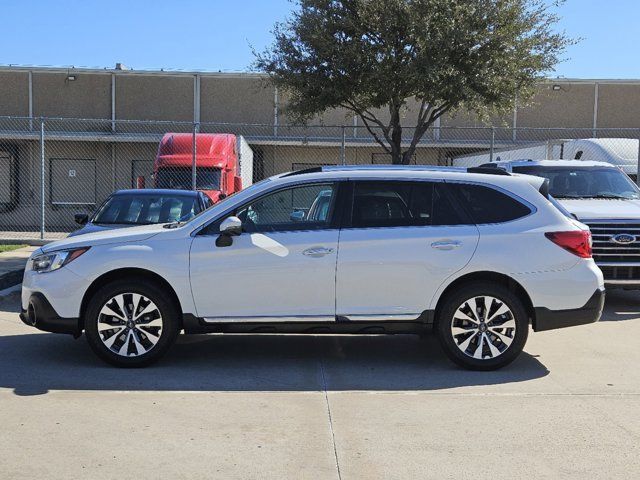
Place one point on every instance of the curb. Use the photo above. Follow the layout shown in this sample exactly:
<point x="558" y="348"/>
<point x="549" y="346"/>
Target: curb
<point x="11" y="278"/>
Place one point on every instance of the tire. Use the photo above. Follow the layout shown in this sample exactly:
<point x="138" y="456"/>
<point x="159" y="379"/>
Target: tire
<point x="500" y="340"/>
<point x="138" y="336"/>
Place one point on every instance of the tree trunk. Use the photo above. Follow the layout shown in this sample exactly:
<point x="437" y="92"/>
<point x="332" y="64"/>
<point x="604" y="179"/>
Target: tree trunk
<point x="396" y="145"/>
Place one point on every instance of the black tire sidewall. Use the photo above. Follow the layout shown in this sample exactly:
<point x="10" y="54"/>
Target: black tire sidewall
<point x="451" y="304"/>
<point x="168" y="310"/>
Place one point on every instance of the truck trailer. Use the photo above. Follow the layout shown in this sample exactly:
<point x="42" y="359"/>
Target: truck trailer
<point x="621" y="152"/>
<point x="223" y="163"/>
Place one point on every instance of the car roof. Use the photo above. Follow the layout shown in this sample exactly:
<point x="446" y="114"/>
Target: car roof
<point x="157" y="191"/>
<point x="552" y="163"/>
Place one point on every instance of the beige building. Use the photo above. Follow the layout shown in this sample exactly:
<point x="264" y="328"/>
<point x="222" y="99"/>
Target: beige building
<point x="104" y="126"/>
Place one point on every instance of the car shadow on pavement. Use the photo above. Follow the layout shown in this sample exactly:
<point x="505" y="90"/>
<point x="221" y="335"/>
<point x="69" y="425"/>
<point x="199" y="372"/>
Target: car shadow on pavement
<point x="33" y="364"/>
<point x="621" y="305"/>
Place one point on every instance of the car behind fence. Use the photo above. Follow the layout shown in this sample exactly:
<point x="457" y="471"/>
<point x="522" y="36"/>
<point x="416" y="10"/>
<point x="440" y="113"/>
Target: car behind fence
<point x="53" y="168"/>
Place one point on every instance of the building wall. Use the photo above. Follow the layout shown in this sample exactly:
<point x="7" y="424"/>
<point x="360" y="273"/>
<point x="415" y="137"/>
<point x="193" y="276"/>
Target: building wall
<point x="279" y="159"/>
<point x="619" y="106"/>
<point x="88" y="96"/>
<point x="236" y="100"/>
<point x="154" y="97"/>
<point x="14" y="93"/>
<point x="249" y="99"/>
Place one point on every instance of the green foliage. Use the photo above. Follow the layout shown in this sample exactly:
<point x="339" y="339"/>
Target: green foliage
<point x="9" y="248"/>
<point x="367" y="55"/>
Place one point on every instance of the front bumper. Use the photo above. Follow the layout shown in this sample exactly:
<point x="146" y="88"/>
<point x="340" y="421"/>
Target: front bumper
<point x="621" y="274"/>
<point x="552" y="319"/>
<point x="41" y="315"/>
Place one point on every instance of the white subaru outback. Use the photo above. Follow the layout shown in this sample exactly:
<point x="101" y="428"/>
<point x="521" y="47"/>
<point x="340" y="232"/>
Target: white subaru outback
<point x="350" y="250"/>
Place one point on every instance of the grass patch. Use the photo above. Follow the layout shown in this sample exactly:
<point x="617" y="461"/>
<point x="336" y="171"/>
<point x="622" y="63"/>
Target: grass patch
<point x="8" y="248"/>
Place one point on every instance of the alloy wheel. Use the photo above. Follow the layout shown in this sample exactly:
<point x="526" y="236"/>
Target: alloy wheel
<point x="483" y="327"/>
<point x="130" y="324"/>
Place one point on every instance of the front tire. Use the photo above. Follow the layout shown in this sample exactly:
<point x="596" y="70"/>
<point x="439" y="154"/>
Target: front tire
<point x="131" y="323"/>
<point x="482" y="326"/>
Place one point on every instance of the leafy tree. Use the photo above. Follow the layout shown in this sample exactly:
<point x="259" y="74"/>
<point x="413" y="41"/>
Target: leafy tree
<point x="368" y="56"/>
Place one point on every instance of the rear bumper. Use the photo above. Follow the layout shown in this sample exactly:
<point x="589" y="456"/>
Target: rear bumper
<point x="552" y="319"/>
<point x="41" y="315"/>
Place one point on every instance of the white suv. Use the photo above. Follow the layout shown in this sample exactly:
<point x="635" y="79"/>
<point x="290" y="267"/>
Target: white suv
<point x="476" y="256"/>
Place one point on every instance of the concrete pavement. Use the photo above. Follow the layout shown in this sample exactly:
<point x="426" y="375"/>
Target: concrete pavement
<point x="323" y="407"/>
<point x="12" y="266"/>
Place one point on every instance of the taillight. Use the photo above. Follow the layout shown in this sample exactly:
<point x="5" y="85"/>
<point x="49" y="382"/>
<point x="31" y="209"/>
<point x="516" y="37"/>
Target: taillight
<point x="577" y="242"/>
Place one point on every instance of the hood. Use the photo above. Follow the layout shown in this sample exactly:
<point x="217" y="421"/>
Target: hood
<point x="597" y="209"/>
<point x="105" y="237"/>
<point x="214" y="195"/>
<point x="92" y="227"/>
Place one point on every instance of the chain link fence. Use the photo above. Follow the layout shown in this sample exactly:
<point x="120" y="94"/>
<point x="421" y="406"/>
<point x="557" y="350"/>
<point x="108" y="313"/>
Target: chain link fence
<point x="54" y="168"/>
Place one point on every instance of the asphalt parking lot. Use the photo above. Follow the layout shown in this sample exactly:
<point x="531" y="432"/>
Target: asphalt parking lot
<point x="323" y="407"/>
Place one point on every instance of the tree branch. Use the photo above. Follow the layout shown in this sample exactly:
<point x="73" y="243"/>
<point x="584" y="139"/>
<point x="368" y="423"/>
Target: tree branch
<point x="367" y="117"/>
<point x="375" y="135"/>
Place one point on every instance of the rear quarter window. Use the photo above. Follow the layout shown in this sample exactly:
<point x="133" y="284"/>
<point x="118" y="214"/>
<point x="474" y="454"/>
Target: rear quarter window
<point x="488" y="205"/>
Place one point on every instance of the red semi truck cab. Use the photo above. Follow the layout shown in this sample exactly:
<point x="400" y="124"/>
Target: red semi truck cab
<point x="224" y="163"/>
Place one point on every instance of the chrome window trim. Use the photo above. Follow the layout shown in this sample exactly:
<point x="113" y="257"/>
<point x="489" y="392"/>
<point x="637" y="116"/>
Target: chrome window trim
<point x="389" y="317"/>
<point x="272" y="319"/>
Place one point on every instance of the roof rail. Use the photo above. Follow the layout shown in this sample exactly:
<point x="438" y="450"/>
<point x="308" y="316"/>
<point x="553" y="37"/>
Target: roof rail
<point x="347" y="168"/>
<point x="436" y="168"/>
<point x="304" y="170"/>
<point x="493" y="170"/>
<point x="489" y="171"/>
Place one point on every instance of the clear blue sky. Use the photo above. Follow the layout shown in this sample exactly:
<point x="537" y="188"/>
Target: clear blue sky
<point x="218" y="34"/>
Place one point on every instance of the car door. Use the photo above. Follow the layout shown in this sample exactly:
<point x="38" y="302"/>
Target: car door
<point x="402" y="240"/>
<point x="282" y="267"/>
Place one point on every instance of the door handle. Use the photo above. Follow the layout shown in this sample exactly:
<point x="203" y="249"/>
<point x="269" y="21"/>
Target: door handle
<point x="317" y="252"/>
<point x="446" y="244"/>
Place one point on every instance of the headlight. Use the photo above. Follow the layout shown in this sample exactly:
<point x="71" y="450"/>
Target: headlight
<point x="47" y="262"/>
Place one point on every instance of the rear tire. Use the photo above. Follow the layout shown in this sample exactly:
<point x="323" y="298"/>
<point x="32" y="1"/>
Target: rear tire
<point x="131" y="323"/>
<point x="482" y="326"/>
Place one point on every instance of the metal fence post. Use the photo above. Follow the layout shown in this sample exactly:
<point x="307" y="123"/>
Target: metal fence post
<point x="42" y="161"/>
<point x="493" y="143"/>
<point x="194" y="152"/>
<point x="343" y="146"/>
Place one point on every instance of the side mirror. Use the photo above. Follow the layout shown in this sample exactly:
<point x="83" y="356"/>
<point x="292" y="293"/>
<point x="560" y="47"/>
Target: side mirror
<point x="81" y="218"/>
<point x="229" y="228"/>
<point x="297" y="216"/>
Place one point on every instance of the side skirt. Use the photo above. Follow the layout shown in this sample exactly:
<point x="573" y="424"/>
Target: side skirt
<point x="340" y="325"/>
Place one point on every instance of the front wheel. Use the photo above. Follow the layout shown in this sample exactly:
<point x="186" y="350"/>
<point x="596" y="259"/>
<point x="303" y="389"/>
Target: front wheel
<point x="483" y="326"/>
<point x="131" y="323"/>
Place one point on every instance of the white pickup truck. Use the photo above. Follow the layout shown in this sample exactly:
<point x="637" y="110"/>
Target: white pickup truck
<point x="603" y="197"/>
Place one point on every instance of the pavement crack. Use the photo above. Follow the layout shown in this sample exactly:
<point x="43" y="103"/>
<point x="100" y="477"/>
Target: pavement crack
<point x="333" y="436"/>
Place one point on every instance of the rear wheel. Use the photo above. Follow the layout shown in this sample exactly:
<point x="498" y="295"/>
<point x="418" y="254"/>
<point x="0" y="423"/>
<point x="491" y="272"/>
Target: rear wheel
<point x="483" y="326"/>
<point x="131" y="323"/>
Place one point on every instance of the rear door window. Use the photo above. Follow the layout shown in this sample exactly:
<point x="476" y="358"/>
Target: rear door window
<point x="402" y="204"/>
<point x="488" y="205"/>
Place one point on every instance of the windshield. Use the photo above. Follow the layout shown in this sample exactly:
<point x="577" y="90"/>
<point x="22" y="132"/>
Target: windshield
<point x="180" y="178"/>
<point x="585" y="182"/>
<point x="145" y="209"/>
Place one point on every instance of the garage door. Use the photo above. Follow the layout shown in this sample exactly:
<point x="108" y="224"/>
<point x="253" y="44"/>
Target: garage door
<point x="72" y="181"/>
<point x="5" y="177"/>
<point x="142" y="168"/>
